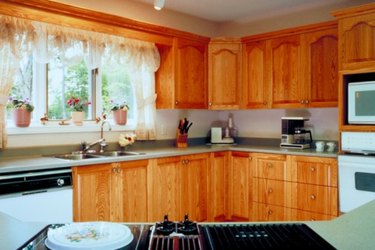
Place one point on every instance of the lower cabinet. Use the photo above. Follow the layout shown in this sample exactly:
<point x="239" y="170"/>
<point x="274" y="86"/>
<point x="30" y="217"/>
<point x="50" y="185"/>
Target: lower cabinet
<point x="178" y="186"/>
<point x="111" y="192"/>
<point x="239" y="186"/>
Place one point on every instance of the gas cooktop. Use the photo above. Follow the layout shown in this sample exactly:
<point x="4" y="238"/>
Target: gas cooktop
<point x="168" y="235"/>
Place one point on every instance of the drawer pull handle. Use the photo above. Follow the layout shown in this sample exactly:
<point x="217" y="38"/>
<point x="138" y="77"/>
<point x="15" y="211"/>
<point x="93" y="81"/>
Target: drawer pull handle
<point x="312" y="197"/>
<point x="270" y="190"/>
<point x="312" y="169"/>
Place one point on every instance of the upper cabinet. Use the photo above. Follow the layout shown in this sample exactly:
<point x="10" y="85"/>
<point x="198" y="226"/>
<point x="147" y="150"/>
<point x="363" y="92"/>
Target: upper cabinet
<point x="357" y="37"/>
<point x="181" y="81"/>
<point x="295" y="68"/>
<point x="224" y="73"/>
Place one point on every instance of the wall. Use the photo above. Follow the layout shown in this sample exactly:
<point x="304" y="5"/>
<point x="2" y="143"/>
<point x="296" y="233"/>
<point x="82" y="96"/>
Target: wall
<point x="250" y="123"/>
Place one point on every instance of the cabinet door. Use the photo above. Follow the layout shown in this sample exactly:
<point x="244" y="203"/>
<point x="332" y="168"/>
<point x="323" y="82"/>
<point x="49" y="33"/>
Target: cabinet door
<point x="191" y="81"/>
<point x="320" y="70"/>
<point x="92" y="192"/>
<point x="239" y="186"/>
<point x="224" y="75"/>
<point x="285" y="71"/>
<point x="256" y="92"/>
<point x="218" y="186"/>
<point x="357" y="46"/>
<point x="164" y="189"/>
<point x="129" y="191"/>
<point x="194" y="186"/>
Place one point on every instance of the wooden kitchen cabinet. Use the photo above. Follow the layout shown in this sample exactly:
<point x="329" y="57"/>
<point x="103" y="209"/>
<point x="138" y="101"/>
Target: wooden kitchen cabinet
<point x="255" y="85"/>
<point x="315" y="184"/>
<point x="357" y="37"/>
<point x="218" y="186"/>
<point x="293" y="68"/>
<point x="178" y="186"/>
<point x="239" y="186"/>
<point x="181" y="81"/>
<point x="110" y="192"/>
<point x="224" y="73"/>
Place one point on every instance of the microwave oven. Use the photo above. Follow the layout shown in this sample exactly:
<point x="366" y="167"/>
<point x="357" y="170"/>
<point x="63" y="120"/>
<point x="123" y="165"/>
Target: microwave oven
<point x="361" y="102"/>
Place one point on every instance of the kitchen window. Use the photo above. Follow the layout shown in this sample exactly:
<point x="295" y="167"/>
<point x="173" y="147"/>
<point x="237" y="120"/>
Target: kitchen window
<point x="56" y="62"/>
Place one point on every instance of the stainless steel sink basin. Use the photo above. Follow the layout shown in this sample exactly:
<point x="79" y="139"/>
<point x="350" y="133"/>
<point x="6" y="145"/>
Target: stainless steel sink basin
<point x="82" y="156"/>
<point x="118" y="153"/>
<point x="76" y="156"/>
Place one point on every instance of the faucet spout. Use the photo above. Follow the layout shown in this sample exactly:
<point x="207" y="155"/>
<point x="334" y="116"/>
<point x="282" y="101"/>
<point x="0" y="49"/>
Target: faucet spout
<point x="87" y="147"/>
<point x="102" y="128"/>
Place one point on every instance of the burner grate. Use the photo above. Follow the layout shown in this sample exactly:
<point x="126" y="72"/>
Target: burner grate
<point x="262" y="236"/>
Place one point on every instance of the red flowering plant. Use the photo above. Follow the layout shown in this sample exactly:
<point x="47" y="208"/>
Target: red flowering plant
<point x="76" y="104"/>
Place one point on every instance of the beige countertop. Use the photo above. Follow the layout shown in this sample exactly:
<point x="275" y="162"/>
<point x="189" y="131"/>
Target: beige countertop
<point x="38" y="162"/>
<point x="353" y="230"/>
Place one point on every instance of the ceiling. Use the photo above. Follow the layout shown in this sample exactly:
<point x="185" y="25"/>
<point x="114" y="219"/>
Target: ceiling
<point x="241" y="10"/>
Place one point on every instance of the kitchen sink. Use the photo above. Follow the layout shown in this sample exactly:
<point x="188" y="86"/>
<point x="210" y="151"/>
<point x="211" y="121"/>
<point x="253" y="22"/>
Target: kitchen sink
<point x="82" y="156"/>
<point x="76" y="156"/>
<point x="118" y="153"/>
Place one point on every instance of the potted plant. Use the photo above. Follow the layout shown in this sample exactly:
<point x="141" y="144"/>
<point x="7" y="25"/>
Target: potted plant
<point x="120" y="113"/>
<point x="77" y="106"/>
<point x="21" y="111"/>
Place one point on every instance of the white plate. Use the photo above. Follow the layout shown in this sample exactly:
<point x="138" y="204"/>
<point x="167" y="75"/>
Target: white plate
<point x="89" y="235"/>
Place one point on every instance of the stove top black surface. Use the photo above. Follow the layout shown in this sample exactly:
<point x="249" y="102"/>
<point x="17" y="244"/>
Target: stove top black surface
<point x="190" y="235"/>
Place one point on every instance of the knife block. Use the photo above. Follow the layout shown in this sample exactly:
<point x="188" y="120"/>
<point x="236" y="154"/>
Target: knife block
<point x="181" y="140"/>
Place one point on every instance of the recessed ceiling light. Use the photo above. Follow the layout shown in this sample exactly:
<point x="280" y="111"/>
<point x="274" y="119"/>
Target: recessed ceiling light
<point x="159" y="4"/>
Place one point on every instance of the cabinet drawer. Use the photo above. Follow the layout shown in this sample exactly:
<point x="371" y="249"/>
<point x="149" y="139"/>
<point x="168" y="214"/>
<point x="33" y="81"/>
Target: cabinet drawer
<point x="310" y="216"/>
<point x="269" y="191"/>
<point x="266" y="212"/>
<point x="270" y="169"/>
<point x="316" y="198"/>
<point x="315" y="170"/>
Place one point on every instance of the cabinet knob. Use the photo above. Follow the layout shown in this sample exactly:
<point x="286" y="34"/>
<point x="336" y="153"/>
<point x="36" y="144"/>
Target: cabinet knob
<point x="307" y="101"/>
<point x="210" y="104"/>
<point x="312" y="169"/>
<point x="269" y="165"/>
<point x="302" y="101"/>
<point x="312" y="197"/>
<point x="270" y="190"/>
<point x="270" y="212"/>
<point x="176" y="102"/>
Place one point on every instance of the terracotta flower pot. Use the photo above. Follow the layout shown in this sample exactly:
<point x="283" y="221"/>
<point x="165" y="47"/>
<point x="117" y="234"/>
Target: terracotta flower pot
<point x="21" y="117"/>
<point x="77" y="117"/>
<point x="120" y="116"/>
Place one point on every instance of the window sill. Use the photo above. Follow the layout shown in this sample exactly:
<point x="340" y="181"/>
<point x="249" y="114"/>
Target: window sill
<point x="54" y="128"/>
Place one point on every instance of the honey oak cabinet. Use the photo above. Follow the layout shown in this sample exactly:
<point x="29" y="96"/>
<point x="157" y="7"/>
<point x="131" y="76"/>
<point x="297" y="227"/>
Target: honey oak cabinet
<point x="178" y="186"/>
<point x="293" y="68"/>
<point x="110" y="192"/>
<point x="357" y="37"/>
<point x="239" y="186"/>
<point x="255" y="85"/>
<point x="224" y="73"/>
<point x="181" y="80"/>
<point x="315" y="184"/>
<point x="218" y="186"/>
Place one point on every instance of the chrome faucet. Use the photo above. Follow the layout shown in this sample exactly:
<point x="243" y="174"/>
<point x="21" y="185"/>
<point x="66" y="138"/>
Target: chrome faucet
<point x="86" y="147"/>
<point x="103" y="144"/>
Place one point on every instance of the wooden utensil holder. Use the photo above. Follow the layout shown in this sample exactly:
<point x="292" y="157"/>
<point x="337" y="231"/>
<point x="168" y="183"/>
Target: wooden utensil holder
<point x="181" y="140"/>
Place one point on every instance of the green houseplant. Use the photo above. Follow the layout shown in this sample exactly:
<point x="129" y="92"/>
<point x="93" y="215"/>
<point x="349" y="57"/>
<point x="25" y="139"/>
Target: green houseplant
<point x="120" y="113"/>
<point x="22" y="110"/>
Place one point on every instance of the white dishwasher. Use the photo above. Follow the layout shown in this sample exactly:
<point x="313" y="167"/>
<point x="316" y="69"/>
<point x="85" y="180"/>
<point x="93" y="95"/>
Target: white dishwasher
<point x="38" y="196"/>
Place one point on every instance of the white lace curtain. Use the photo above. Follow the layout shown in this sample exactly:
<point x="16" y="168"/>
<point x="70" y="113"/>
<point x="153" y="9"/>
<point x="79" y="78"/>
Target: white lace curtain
<point x="20" y="37"/>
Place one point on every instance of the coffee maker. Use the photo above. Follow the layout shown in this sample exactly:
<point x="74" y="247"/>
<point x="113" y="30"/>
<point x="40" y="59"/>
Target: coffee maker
<point x="293" y="133"/>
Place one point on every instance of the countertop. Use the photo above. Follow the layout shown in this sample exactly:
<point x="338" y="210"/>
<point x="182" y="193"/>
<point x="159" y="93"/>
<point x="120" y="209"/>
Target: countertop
<point x="39" y="162"/>
<point x="353" y="230"/>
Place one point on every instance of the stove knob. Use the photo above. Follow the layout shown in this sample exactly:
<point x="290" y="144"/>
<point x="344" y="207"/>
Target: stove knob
<point x="60" y="182"/>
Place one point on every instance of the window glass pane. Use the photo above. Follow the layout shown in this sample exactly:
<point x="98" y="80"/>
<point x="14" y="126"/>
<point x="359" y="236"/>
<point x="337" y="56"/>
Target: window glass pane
<point x="65" y="82"/>
<point x="22" y="87"/>
<point x="116" y="86"/>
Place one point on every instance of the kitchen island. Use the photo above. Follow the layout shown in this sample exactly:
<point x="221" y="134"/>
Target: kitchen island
<point x="353" y="230"/>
